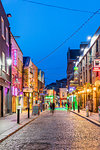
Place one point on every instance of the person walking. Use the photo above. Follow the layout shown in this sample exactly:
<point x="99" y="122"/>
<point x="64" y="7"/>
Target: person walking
<point x="68" y="104"/>
<point x="50" y="107"/>
<point x="53" y="108"/>
<point x="73" y="105"/>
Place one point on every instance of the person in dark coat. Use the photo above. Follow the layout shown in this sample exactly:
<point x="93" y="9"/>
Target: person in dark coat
<point x="53" y="107"/>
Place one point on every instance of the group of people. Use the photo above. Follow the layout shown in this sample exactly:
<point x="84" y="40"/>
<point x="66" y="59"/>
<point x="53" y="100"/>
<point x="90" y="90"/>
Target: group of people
<point x="52" y="107"/>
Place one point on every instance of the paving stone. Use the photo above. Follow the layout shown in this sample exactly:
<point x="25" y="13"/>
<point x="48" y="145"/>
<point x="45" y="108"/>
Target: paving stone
<point x="61" y="131"/>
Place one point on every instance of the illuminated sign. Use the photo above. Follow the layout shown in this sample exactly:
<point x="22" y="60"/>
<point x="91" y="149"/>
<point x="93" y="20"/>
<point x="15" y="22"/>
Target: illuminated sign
<point x="15" y="57"/>
<point x="14" y="91"/>
<point x="96" y="69"/>
<point x="76" y="68"/>
<point x="71" y="89"/>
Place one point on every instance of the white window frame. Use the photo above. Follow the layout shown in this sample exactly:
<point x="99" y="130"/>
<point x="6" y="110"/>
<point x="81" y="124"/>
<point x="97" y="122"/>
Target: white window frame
<point x="2" y="28"/>
<point x="3" y="62"/>
<point x="7" y="69"/>
<point x="7" y="37"/>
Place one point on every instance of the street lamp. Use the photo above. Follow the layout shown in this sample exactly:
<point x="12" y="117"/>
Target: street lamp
<point x="9" y="61"/>
<point x="89" y="38"/>
<point x="94" y="89"/>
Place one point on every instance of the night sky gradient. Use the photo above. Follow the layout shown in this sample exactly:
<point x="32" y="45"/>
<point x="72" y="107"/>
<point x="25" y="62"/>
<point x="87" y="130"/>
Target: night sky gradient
<point x="42" y="29"/>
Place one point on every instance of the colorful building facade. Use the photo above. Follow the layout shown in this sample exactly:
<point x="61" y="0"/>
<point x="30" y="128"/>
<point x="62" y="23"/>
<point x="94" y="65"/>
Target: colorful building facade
<point x="30" y="82"/>
<point x="17" y="70"/>
<point x="88" y="65"/>
<point x="5" y="69"/>
<point x="63" y="95"/>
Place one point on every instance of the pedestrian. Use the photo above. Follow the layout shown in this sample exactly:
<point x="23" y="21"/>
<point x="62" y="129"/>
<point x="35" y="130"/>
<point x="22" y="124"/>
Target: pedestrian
<point x="53" y="107"/>
<point x="73" y="105"/>
<point x="78" y="108"/>
<point x="91" y="107"/>
<point x="68" y="104"/>
<point x="50" y="107"/>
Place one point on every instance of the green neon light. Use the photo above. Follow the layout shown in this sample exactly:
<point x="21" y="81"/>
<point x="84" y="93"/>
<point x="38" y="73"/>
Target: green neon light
<point x="75" y="68"/>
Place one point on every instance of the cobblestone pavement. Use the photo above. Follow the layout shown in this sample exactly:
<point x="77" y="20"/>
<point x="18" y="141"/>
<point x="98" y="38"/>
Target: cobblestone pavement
<point x="62" y="131"/>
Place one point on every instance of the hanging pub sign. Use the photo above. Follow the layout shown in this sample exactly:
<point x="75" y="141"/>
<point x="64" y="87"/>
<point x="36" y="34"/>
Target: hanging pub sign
<point x="96" y="67"/>
<point x="14" y="55"/>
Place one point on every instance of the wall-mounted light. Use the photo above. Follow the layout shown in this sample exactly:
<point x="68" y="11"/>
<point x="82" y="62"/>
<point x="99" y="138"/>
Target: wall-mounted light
<point x="94" y="89"/>
<point x="89" y="38"/>
<point x="9" y="61"/>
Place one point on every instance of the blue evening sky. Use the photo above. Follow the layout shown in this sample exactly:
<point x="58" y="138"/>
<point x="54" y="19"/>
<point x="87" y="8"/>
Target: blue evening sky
<point x="42" y="29"/>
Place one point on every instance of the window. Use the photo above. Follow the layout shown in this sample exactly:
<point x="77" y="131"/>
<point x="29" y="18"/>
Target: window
<point x="7" y="42"/>
<point x="63" y="94"/>
<point x="86" y="59"/>
<point x="7" y="69"/>
<point x="2" y="27"/>
<point x="86" y="75"/>
<point x="90" y="55"/>
<point x="90" y="72"/>
<point x="3" y="61"/>
<point x="96" y="46"/>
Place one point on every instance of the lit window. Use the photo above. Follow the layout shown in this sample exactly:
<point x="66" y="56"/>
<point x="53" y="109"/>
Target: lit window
<point x="2" y="27"/>
<point x="3" y="61"/>
<point x="63" y="94"/>
<point x="7" y="69"/>
<point x="7" y="36"/>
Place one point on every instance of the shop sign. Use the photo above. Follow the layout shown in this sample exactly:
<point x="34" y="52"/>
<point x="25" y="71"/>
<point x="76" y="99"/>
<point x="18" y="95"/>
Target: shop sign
<point x="97" y="63"/>
<point x="96" y="69"/>
<point x="14" y="91"/>
<point x="71" y="89"/>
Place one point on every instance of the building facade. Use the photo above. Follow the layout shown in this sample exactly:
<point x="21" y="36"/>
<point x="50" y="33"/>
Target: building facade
<point x="35" y="81"/>
<point x="5" y="69"/>
<point x="30" y="82"/>
<point x="41" y="86"/>
<point x="89" y="73"/>
<point x="72" y="56"/>
<point x="63" y="95"/>
<point x="17" y="70"/>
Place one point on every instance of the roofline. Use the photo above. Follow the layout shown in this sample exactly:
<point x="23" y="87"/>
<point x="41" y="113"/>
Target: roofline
<point x="16" y="42"/>
<point x="4" y="12"/>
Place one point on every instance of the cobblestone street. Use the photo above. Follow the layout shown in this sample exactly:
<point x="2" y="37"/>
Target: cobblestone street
<point x="62" y="131"/>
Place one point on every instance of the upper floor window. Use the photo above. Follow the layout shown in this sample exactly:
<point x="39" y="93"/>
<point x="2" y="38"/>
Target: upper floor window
<point x="86" y="59"/>
<point x="2" y="27"/>
<point x="96" y="46"/>
<point x="7" y="41"/>
<point x="63" y="94"/>
<point x="3" y="61"/>
<point x="90" y="55"/>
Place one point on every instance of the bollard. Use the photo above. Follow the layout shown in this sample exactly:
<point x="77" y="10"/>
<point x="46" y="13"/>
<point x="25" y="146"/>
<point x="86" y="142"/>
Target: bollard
<point x="78" y="108"/>
<point x="87" y="111"/>
<point x="18" y="116"/>
<point x="28" y="112"/>
<point x="99" y="112"/>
